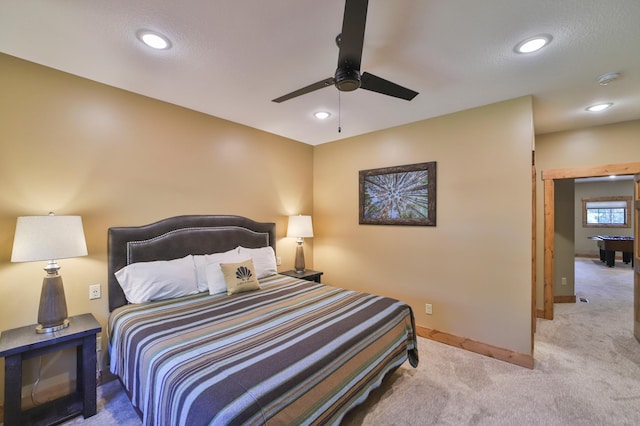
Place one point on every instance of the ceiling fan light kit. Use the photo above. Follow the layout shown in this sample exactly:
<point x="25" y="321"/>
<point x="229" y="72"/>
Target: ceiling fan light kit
<point x="347" y="77"/>
<point x="347" y="80"/>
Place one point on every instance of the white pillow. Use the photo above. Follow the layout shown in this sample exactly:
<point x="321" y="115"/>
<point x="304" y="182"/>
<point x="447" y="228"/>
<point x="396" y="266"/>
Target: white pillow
<point x="215" y="278"/>
<point x="162" y="279"/>
<point x="264" y="260"/>
<point x="201" y="261"/>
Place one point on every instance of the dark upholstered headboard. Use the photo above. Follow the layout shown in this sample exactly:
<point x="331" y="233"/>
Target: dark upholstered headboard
<point x="179" y="236"/>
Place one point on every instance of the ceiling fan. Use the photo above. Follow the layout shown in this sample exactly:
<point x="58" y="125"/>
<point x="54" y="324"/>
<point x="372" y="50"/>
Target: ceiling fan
<point x="347" y="77"/>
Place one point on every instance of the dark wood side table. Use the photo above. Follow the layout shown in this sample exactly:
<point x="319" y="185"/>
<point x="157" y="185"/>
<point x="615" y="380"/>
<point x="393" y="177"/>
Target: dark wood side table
<point x="23" y="343"/>
<point x="308" y="274"/>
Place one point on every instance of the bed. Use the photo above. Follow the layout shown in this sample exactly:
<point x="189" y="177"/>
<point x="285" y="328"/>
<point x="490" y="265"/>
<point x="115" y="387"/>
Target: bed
<point x="290" y="352"/>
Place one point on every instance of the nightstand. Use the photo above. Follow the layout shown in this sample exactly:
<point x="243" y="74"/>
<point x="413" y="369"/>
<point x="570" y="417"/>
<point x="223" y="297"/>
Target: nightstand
<point x="23" y="343"/>
<point x="308" y="274"/>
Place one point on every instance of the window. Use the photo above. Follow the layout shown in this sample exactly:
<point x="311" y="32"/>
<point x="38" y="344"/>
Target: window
<point x="609" y="212"/>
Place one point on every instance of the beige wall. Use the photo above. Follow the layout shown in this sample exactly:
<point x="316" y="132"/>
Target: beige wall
<point x="474" y="267"/>
<point x="78" y="147"/>
<point x="73" y="146"/>
<point x="588" y="147"/>
<point x="610" y="188"/>
<point x="564" y="239"/>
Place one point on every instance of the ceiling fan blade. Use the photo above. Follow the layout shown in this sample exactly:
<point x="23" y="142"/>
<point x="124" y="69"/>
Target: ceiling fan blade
<point x="352" y="36"/>
<point x="310" y="88"/>
<point x="380" y="85"/>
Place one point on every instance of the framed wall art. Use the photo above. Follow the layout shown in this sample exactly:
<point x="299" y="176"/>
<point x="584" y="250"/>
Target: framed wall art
<point x="401" y="195"/>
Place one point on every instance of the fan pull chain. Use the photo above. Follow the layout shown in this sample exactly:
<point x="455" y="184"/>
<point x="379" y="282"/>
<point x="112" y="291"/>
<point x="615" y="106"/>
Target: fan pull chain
<point x="339" y="114"/>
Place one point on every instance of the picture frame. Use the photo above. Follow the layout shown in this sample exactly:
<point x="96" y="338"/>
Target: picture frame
<point x="400" y="195"/>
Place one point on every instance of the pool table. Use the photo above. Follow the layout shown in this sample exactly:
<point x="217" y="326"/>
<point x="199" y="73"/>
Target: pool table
<point x="610" y="244"/>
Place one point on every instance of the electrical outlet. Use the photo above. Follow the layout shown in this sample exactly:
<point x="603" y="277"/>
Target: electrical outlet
<point x="428" y="309"/>
<point x="564" y="280"/>
<point x="278" y="261"/>
<point x="95" y="292"/>
<point x="98" y="343"/>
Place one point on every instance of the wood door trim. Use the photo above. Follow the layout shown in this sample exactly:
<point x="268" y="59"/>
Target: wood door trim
<point x="533" y="250"/>
<point x="549" y="230"/>
<point x="548" y="177"/>
<point x="636" y="261"/>
<point x="594" y="171"/>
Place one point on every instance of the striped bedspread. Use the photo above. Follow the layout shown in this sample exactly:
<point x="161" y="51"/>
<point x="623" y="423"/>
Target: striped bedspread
<point x="295" y="352"/>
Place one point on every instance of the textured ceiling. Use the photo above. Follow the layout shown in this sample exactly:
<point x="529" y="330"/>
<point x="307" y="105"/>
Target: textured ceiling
<point x="231" y="58"/>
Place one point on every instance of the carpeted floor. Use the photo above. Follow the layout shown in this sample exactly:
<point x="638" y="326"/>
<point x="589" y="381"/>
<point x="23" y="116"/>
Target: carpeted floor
<point x="587" y="372"/>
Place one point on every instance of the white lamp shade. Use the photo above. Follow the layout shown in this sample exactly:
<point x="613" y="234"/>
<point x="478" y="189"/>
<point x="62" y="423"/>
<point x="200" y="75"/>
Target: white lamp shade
<point x="300" y="227"/>
<point x="48" y="238"/>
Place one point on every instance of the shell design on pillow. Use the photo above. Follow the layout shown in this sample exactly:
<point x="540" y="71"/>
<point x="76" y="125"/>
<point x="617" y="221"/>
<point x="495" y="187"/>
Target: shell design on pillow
<point x="243" y="273"/>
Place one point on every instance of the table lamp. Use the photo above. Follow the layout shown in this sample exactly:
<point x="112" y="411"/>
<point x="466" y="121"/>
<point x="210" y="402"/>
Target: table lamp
<point x="300" y="227"/>
<point x="49" y="238"/>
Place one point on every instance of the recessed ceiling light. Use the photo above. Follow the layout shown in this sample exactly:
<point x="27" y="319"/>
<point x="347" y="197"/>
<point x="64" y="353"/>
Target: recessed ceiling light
<point x="154" y="40"/>
<point x="322" y="115"/>
<point x="599" y="107"/>
<point x="533" y="44"/>
<point x="612" y="176"/>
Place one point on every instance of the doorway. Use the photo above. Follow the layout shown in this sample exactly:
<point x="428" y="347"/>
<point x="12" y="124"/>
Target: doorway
<point x="548" y="178"/>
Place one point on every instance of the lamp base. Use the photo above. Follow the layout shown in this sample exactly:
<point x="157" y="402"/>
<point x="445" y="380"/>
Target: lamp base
<point x="299" y="265"/>
<point x="40" y="329"/>
<point x="52" y="313"/>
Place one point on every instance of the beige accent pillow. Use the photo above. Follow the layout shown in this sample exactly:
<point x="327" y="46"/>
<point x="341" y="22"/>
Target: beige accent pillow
<point x="240" y="277"/>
